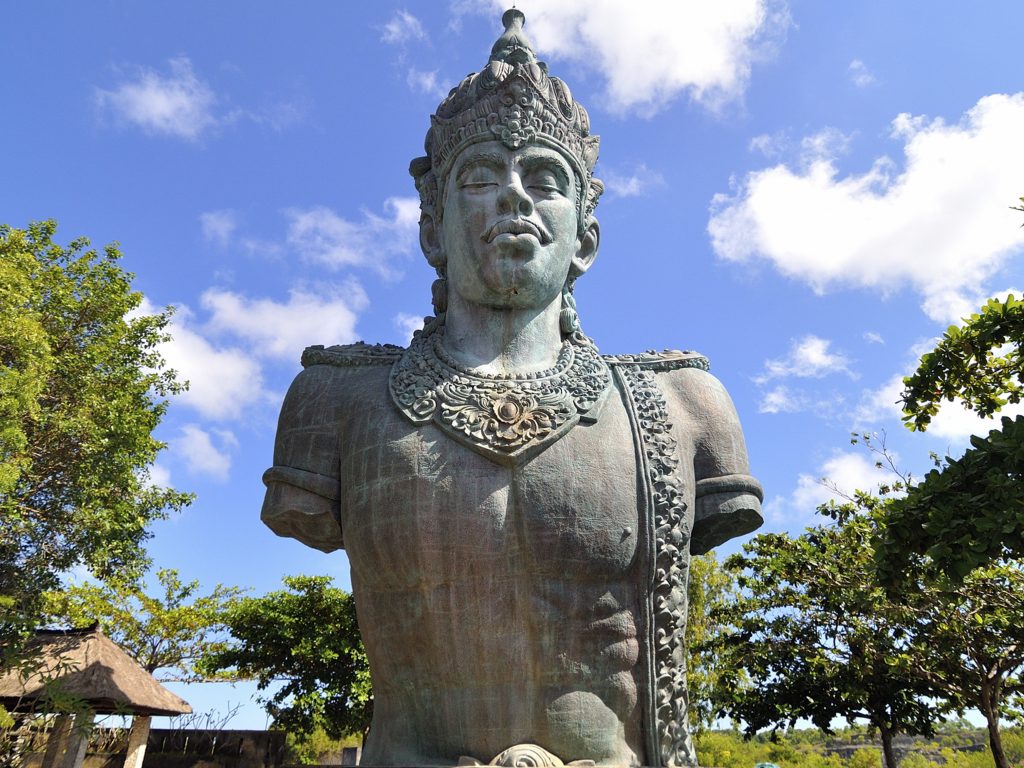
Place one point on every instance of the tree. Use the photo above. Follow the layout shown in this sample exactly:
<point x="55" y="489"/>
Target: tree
<point x="710" y="588"/>
<point x="307" y="636"/>
<point x="818" y="638"/>
<point x="972" y="633"/>
<point x="969" y="627"/>
<point x="81" y="384"/>
<point x="166" y="634"/>
<point x="968" y="511"/>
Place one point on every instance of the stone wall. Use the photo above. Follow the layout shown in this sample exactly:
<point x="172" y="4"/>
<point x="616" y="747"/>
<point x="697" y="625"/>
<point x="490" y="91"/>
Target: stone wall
<point x="186" y="749"/>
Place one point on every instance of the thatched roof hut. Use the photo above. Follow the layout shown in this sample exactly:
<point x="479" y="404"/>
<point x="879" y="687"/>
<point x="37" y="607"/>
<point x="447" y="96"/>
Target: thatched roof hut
<point x="86" y="664"/>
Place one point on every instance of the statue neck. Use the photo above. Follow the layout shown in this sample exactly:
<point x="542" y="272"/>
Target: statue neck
<point x="502" y="341"/>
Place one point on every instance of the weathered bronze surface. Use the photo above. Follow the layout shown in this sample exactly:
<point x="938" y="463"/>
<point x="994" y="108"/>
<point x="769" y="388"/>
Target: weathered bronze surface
<point x="519" y="510"/>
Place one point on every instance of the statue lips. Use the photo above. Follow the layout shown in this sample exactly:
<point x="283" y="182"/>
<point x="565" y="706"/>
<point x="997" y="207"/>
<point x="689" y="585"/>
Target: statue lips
<point x="516" y="226"/>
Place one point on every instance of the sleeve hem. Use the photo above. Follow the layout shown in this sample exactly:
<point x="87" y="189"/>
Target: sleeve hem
<point x="730" y="483"/>
<point x="314" y="482"/>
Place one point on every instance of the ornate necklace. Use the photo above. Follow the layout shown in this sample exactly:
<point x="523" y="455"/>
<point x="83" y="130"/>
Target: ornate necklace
<point x="506" y="417"/>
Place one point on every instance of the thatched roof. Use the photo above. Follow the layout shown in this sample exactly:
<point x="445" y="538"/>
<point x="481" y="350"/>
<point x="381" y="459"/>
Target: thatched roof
<point x="90" y="666"/>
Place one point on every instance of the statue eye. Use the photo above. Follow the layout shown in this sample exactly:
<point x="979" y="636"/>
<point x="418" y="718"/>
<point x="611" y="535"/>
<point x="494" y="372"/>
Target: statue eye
<point x="545" y="181"/>
<point x="477" y="177"/>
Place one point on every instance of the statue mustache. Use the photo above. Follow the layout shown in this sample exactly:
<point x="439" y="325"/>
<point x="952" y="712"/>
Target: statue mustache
<point x="517" y="226"/>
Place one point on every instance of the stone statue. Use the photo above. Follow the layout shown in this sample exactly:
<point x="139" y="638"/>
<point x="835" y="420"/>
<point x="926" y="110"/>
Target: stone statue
<point x="519" y="511"/>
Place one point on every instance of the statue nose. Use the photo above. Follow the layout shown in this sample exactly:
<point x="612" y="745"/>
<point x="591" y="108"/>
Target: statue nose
<point x="514" y="199"/>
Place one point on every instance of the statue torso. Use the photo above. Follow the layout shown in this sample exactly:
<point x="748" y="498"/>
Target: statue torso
<point x="537" y="598"/>
<point x="490" y="593"/>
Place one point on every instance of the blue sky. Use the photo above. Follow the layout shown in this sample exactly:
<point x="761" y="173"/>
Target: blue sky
<point x="807" y="193"/>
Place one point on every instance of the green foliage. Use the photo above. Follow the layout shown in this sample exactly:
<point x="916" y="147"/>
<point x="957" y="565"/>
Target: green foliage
<point x="793" y="749"/>
<point x="978" y="364"/>
<point x="11" y="752"/>
<point x="306" y="636"/>
<point x="165" y="633"/>
<point x="313" y="748"/>
<point x="810" y="748"/>
<point x="709" y="588"/>
<point x="818" y="638"/>
<point x="81" y="382"/>
<point x="987" y="481"/>
<point x="973" y="632"/>
<point x="969" y="511"/>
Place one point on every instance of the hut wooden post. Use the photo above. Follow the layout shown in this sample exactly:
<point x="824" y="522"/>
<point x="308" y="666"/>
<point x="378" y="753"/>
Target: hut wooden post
<point x="137" y="739"/>
<point x="57" y="742"/>
<point x="68" y="741"/>
<point x="74" y="755"/>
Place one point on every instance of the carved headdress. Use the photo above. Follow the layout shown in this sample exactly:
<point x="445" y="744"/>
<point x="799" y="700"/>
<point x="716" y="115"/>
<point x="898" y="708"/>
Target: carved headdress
<point x="512" y="100"/>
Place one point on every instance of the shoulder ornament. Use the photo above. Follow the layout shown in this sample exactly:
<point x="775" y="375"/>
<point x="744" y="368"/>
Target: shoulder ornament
<point x="351" y="355"/>
<point x="668" y="526"/>
<point x="667" y="360"/>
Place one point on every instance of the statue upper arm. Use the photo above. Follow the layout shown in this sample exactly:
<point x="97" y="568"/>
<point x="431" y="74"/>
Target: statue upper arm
<point x="303" y="488"/>
<point x="728" y="498"/>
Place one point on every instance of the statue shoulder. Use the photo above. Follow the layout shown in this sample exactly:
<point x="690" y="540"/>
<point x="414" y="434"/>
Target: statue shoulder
<point x="684" y="377"/>
<point x="660" y="362"/>
<point x="335" y="377"/>
<point x="355" y="355"/>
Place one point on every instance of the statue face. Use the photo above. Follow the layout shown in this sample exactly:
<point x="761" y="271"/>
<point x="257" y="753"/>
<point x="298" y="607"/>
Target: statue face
<point x="510" y="226"/>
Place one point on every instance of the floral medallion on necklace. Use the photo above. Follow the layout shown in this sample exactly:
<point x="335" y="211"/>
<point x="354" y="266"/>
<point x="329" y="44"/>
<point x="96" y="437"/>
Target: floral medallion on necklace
<point x="507" y="418"/>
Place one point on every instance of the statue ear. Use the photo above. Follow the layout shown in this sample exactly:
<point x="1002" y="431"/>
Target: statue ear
<point x="430" y="239"/>
<point x="586" y="250"/>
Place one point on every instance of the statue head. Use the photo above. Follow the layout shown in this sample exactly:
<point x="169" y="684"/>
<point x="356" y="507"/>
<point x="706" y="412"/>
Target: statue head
<point x="512" y="140"/>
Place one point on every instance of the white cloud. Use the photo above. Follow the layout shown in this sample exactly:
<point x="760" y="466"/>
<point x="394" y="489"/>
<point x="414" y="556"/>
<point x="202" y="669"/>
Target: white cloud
<point x="634" y="183"/>
<point x="278" y="115"/>
<point x="159" y="476"/>
<point x="321" y="236"/>
<point x="781" y="399"/>
<point x="942" y="226"/>
<point x="401" y="28"/>
<point x="953" y="423"/>
<point x="408" y="324"/>
<point x="859" y="73"/>
<point x="182" y="105"/>
<point x="826" y="144"/>
<point x="283" y="330"/>
<point x="809" y="357"/>
<point x="218" y="226"/>
<point x="878" y="405"/>
<point x="425" y="82"/>
<point x="659" y="48"/>
<point x="771" y="145"/>
<point x="178" y="104"/>
<point x="221" y="357"/>
<point x="223" y="380"/>
<point x="873" y="338"/>
<point x="847" y="472"/>
<point x="195" y="447"/>
<point x="835" y="480"/>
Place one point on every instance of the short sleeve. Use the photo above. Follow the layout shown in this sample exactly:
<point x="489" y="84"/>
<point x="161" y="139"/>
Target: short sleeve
<point x="303" y="487"/>
<point x="728" y="497"/>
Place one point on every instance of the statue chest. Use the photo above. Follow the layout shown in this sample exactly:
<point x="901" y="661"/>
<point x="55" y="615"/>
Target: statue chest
<point x="420" y="510"/>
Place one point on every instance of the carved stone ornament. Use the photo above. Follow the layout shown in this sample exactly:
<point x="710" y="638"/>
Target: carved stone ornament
<point x="508" y="419"/>
<point x="666" y="519"/>
<point x="527" y="756"/>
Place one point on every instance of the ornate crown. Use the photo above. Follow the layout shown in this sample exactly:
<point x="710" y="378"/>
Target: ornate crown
<point x="514" y="101"/>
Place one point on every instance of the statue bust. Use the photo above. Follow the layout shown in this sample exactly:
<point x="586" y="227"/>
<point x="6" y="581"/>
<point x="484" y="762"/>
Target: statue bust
<point x="519" y="510"/>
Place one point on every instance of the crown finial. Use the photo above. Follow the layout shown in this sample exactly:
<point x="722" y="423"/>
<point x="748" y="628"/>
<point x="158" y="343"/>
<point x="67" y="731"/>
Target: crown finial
<point x="515" y="101"/>
<point x="513" y="46"/>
